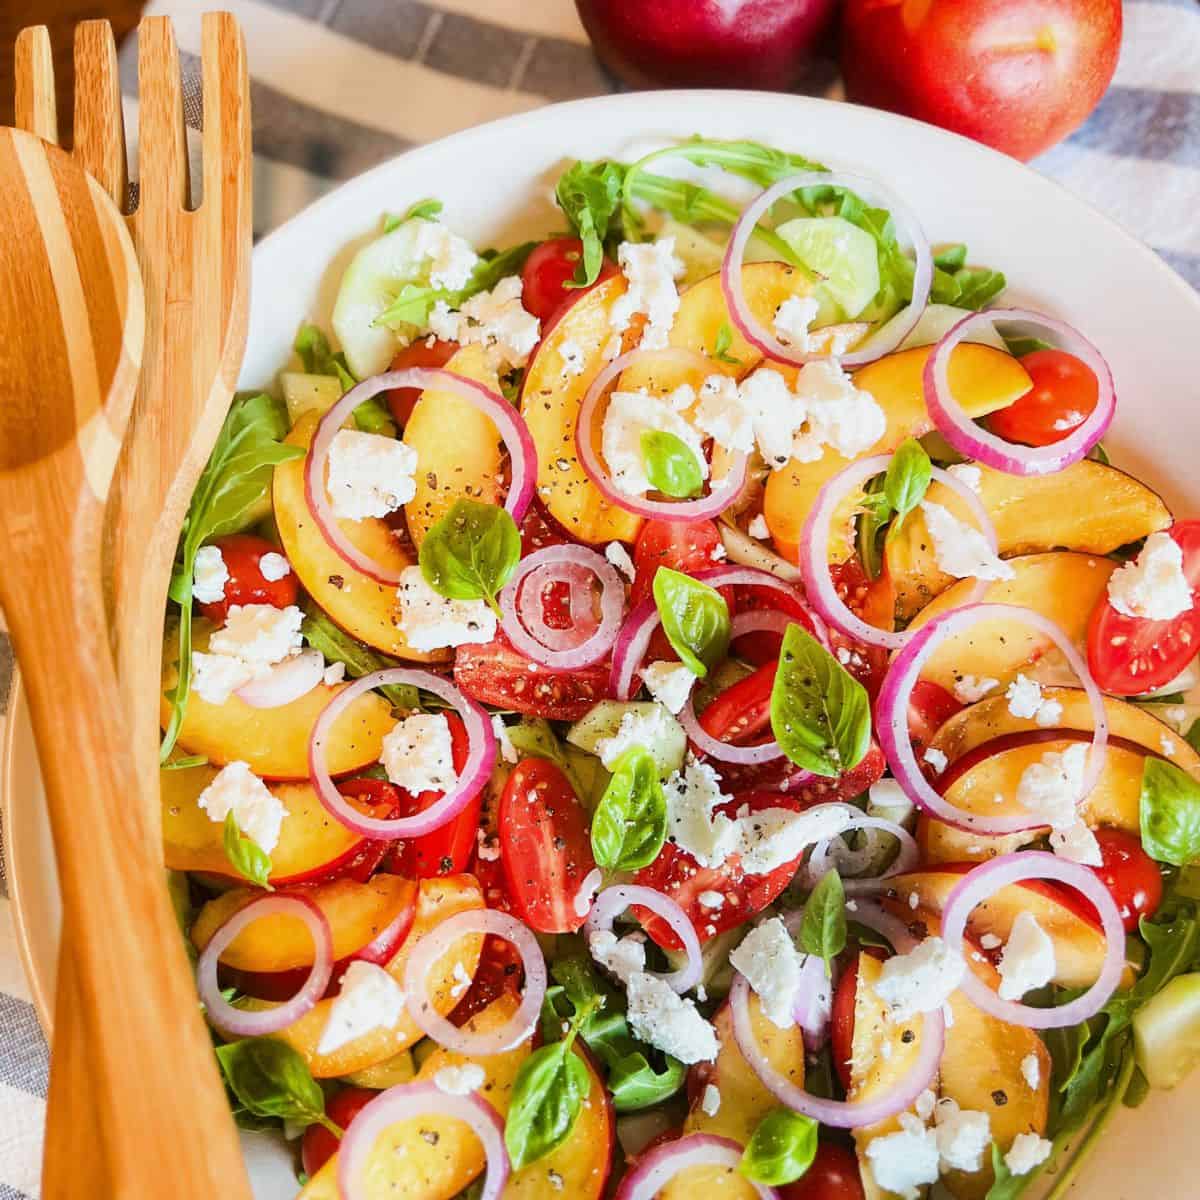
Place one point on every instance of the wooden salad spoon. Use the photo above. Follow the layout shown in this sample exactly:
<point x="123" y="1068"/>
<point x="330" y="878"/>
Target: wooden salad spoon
<point x="71" y="322"/>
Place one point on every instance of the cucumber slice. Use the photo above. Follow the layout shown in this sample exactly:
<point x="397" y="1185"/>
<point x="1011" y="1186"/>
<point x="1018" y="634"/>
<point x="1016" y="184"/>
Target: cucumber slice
<point x="716" y="972"/>
<point x="938" y="319"/>
<point x="700" y="254"/>
<point x="604" y="720"/>
<point x="1166" y="1032"/>
<point x="308" y="393"/>
<point x="844" y="254"/>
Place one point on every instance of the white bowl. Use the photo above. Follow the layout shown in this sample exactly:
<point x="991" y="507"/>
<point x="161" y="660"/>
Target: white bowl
<point x="1060" y="256"/>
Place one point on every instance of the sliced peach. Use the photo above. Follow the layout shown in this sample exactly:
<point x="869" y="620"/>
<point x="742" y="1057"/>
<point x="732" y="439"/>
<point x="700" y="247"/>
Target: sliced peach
<point x="1089" y="507"/>
<point x="361" y="606"/>
<point x="274" y="741"/>
<point x="983" y="380"/>
<point x="1060" y="585"/>
<point x="459" y="451"/>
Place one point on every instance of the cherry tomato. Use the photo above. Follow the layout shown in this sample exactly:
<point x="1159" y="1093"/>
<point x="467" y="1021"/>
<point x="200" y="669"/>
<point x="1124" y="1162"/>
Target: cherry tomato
<point x="1063" y="394"/>
<point x="247" y="584"/>
<point x="1130" y="874"/>
<point x="833" y="1175"/>
<point x="500" y="970"/>
<point x="841" y="1021"/>
<point x="686" y="546"/>
<point x="539" y="529"/>
<point x="930" y="706"/>
<point x="547" y="272"/>
<point x="318" y="1144"/>
<point x="1130" y="655"/>
<point x="873" y="601"/>
<point x="544" y="846"/>
<point x="421" y="353"/>
<point x="741" y="714"/>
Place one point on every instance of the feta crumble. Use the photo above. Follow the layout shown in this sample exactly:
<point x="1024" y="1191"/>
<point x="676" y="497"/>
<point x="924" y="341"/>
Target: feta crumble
<point x="692" y="823"/>
<point x="508" y="752"/>
<point x="210" y="576"/>
<point x="968" y="474"/>
<point x="430" y="621"/>
<point x="253" y="639"/>
<point x="645" y="727"/>
<point x="840" y="414"/>
<point x="792" y="320"/>
<point x="616" y="554"/>
<point x="920" y="981"/>
<point x="658" y="1016"/>
<point x="971" y="689"/>
<point x="459" y="1081"/>
<point x="620" y="957"/>
<point x="417" y="754"/>
<point x="758" y="528"/>
<point x="710" y="1101"/>
<point x="962" y="1136"/>
<point x="1027" y="960"/>
<point x="1052" y="787"/>
<point x="1078" y="843"/>
<point x="936" y="759"/>
<point x="274" y="567"/>
<point x="452" y="259"/>
<point x="628" y="416"/>
<point x="769" y="960"/>
<point x="495" y="320"/>
<point x="904" y="1161"/>
<point x="370" y="999"/>
<point x="1027" y="1152"/>
<point x="711" y="899"/>
<point x="1031" y="1071"/>
<point x="650" y="270"/>
<point x="961" y="550"/>
<point x="370" y="475"/>
<point x="1025" y="700"/>
<point x="670" y="683"/>
<point x="773" y="836"/>
<point x="257" y="812"/>
<point x="1152" y="586"/>
<point x="333" y="674"/>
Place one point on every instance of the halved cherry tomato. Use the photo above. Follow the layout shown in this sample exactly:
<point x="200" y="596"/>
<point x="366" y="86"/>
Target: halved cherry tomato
<point x="930" y="706"/>
<point x="547" y="272"/>
<point x="833" y="1175"/>
<point x="763" y="646"/>
<point x="1129" y="655"/>
<point x="544" y="846"/>
<point x="539" y="530"/>
<point x="1130" y="874"/>
<point x="741" y="714"/>
<point x="424" y="352"/>
<point x="873" y="601"/>
<point x="318" y="1144"/>
<point x="376" y="798"/>
<point x="1062" y="397"/>
<point x="247" y="584"/>
<point x="686" y="546"/>
<point x="500" y="970"/>
<point x="841" y="1021"/>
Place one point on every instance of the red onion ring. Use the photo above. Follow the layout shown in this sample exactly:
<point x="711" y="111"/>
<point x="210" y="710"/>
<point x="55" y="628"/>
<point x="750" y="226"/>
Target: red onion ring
<point x="513" y="432"/>
<point x="404" y="1102"/>
<point x="653" y="1170"/>
<point x="988" y="877"/>
<point x="812" y="1006"/>
<point x="238" y="1022"/>
<point x="437" y="942"/>
<point x="906" y="860"/>
<point x="717" y="500"/>
<point x="468" y="784"/>
<point x="891" y="723"/>
<point x="975" y="442"/>
<point x="814" y="555"/>
<point x="721" y="751"/>
<point x="887" y="337"/>
<point x="530" y="597"/>
<point x="534" y="638"/>
<point x="844" y="1114"/>
<point x="613" y="901"/>
<point x="286" y="681"/>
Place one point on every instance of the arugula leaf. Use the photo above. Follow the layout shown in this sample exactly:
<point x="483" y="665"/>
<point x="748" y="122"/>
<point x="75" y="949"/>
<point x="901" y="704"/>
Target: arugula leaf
<point x="820" y="714"/>
<point x="694" y="617"/>
<point x="232" y="493"/>
<point x="671" y="466"/>
<point x="823" y="926"/>
<point x="249" y="859"/>
<point x="1169" y="809"/>
<point x="907" y="478"/>
<point x="781" y="1148"/>
<point x="184" y="762"/>
<point x="471" y="553"/>
<point x="547" y="1097"/>
<point x="721" y="344"/>
<point x="1005" y="1185"/>
<point x="338" y="646"/>
<point x="589" y="195"/>
<point x="950" y="258"/>
<point x="629" y="825"/>
<point x="426" y="209"/>
<point x="1018" y="347"/>
<point x="270" y="1079"/>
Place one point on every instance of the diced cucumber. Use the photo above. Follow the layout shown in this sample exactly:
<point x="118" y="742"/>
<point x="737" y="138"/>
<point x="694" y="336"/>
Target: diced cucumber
<point x="938" y="319"/>
<point x="308" y="393"/>
<point x="1179" y="717"/>
<point x="843" y="254"/>
<point x="1183" y="682"/>
<point x="1166" y="1032"/>
<point x="716" y="973"/>
<point x="604" y="720"/>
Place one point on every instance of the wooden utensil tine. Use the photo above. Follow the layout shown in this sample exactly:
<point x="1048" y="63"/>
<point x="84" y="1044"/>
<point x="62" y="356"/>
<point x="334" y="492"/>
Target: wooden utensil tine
<point x="35" y="105"/>
<point x="99" y="141"/>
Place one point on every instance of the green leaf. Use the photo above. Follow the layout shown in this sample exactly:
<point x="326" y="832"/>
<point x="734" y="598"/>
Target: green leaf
<point x="1018" y="347"/>
<point x="629" y="825"/>
<point x="1170" y="813"/>
<point x="249" y="859"/>
<point x="426" y="209"/>
<point x="270" y="1079"/>
<point x="875" y="515"/>
<point x="950" y="258"/>
<point x="907" y="478"/>
<point x="338" y="646"/>
<point x="820" y="714"/>
<point x="694" y="617"/>
<point x="534" y="738"/>
<point x="471" y="553"/>
<point x="1192" y="737"/>
<point x="318" y="358"/>
<point x="781" y="1148"/>
<point x="1006" y="1185"/>
<point x="671" y="466"/>
<point x="589" y="195"/>
<point x="721" y="344"/>
<point x="547" y="1098"/>
<point x="823" y="926"/>
<point x="184" y="762"/>
<point x="979" y="287"/>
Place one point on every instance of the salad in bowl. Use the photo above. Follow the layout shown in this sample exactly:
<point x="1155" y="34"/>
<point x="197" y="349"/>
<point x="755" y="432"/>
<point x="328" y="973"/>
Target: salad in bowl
<point x="685" y="702"/>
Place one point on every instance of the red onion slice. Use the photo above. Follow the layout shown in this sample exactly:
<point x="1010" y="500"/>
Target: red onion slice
<point x="978" y="884"/>
<point x="533" y="637"/>
<point x="653" y="1170"/>
<point x="470" y="781"/>
<point x="286" y="681"/>
<point x="437" y="942"/>
<point x="813" y="1003"/>
<point x="844" y="1114"/>
<point x="721" y="751"/>
<point x="723" y="493"/>
<point x="407" y="1101"/>
<point x="580" y="608"/>
<point x="976" y="442"/>
<point x="615" y="900"/>
<point x="906" y="860"/>
<point x="814" y="554"/>
<point x="891" y="713"/>
<point x="513" y="432"/>
<point x="885" y="339"/>
<point x="238" y="1022"/>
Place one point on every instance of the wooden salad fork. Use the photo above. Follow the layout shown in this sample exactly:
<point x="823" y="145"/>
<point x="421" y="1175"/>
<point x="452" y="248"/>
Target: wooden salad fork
<point x="71" y="322"/>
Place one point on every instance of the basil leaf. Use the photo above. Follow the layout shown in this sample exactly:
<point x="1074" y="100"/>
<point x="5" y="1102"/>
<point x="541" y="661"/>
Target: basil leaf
<point x="694" y="617"/>
<point x="671" y="466"/>
<point x="629" y="825"/>
<point x="876" y="513"/>
<point x="721" y="344"/>
<point x="823" y="926"/>
<point x="338" y="646"/>
<point x="1006" y="1185"/>
<point x="270" y="1079"/>
<point x="547" y="1097"/>
<point x="471" y="553"/>
<point x="249" y="859"/>
<point x="907" y="478"/>
<point x="781" y="1148"/>
<point x="820" y="714"/>
<point x="589" y="195"/>
<point x="1170" y="813"/>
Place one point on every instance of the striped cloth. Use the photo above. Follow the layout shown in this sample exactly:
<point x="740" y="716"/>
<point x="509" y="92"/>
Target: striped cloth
<point x="340" y="85"/>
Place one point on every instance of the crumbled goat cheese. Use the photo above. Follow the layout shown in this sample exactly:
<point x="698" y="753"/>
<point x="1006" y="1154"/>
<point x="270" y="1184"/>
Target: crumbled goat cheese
<point x="370" y="475"/>
<point x="210" y="576"/>
<point x="1078" y="843"/>
<point x="904" y="1161"/>
<point x="1025" y="700"/>
<point x="216" y="677"/>
<point x="430" y="621"/>
<point x="960" y="550"/>
<point x="418" y="754"/>
<point x="253" y="639"/>
<point x="1031" y="1071"/>
<point x="1027" y="1152"/>
<point x="710" y="1101"/>
<point x="645" y="727"/>
<point x="619" y="557"/>
<point x="1152" y="586"/>
<point x="274" y="566"/>
<point x="692" y="824"/>
<point x="936" y="759"/>
<point x="773" y="836"/>
<point x="658" y="1016"/>
<point x="962" y="1137"/>
<point x="495" y="320"/>
<point x="571" y="354"/>
<point x="758" y="528"/>
<point x="1027" y="960"/>
<point x="670" y="683"/>
<point x="1052" y="787"/>
<point x="711" y="899"/>
<point x="840" y="414"/>
<point x="459" y="1081"/>
<point x="333" y="674"/>
<point x="920" y="981"/>
<point x="257" y="812"/>
<point x="925" y="1104"/>
<point x="969" y="475"/>
<point x="621" y="957"/>
<point x="451" y="258"/>
<point x="630" y="415"/>
<point x="650" y="270"/>
<point x="792" y="319"/>
<point x="370" y="999"/>
<point x="508" y="752"/>
<point x="769" y="960"/>
<point x="970" y="688"/>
